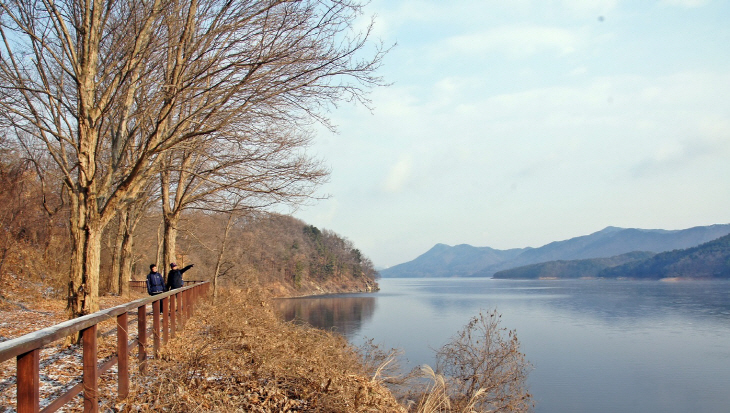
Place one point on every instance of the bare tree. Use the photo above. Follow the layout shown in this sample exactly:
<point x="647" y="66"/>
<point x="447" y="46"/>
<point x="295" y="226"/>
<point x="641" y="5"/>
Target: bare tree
<point x="127" y="221"/>
<point x="107" y="88"/>
<point x="291" y="60"/>
<point x="221" y="252"/>
<point x="16" y="218"/>
<point x="69" y="72"/>
<point x="134" y="214"/>
<point x="116" y="253"/>
<point x="483" y="368"/>
<point x="235" y="174"/>
<point x="29" y="218"/>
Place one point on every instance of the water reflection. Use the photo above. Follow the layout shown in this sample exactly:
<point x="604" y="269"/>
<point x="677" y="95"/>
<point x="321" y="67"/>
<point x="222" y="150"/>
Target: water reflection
<point x="342" y="313"/>
<point x="598" y="346"/>
<point x="607" y="301"/>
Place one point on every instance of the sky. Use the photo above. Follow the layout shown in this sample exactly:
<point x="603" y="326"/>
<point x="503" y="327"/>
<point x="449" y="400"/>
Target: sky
<point x="512" y="124"/>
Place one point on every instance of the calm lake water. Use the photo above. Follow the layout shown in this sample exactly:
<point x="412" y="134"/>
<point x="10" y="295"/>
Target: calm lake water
<point x="596" y="346"/>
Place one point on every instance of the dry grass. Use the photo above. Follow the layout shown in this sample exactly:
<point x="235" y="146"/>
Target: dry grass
<point x="238" y="357"/>
<point x="481" y="369"/>
<point x="438" y="396"/>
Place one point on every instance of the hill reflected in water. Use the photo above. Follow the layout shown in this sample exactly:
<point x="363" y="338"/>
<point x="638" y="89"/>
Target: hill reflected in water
<point x="343" y="314"/>
<point x="599" y="346"/>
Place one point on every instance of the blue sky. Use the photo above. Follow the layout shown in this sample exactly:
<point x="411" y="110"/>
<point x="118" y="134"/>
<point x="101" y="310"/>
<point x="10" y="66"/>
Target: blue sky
<point x="517" y="123"/>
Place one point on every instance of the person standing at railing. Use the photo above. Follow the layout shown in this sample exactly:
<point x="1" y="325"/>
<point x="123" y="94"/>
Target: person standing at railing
<point x="155" y="283"/>
<point x="174" y="276"/>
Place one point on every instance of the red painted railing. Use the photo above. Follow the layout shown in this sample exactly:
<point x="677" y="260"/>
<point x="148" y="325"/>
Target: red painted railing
<point x="171" y="309"/>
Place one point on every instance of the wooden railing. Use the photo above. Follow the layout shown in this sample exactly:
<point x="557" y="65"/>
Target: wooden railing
<point x="141" y="286"/>
<point x="170" y="310"/>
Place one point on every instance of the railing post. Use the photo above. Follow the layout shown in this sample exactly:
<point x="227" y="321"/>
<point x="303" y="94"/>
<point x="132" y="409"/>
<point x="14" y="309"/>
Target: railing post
<point x="142" y="336"/>
<point x="175" y="312"/>
<point x="191" y="301"/>
<point x="181" y="309"/>
<point x="28" y="382"/>
<point x="180" y="312"/>
<point x="156" y="327"/>
<point x="186" y="299"/>
<point x="184" y="307"/>
<point x="172" y="315"/>
<point x="186" y="304"/>
<point x="91" y="373"/>
<point x="165" y="321"/>
<point x="122" y="356"/>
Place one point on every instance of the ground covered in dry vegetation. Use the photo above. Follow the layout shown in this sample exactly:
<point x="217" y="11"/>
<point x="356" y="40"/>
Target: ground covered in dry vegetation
<point x="237" y="356"/>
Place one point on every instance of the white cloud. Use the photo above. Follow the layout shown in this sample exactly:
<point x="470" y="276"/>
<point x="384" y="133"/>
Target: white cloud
<point x="517" y="41"/>
<point x="399" y="174"/>
<point x="617" y="121"/>
<point x="538" y="122"/>
<point x="619" y="128"/>
<point x="589" y="7"/>
<point x="325" y="213"/>
<point x="578" y="71"/>
<point x="392" y="17"/>
<point x="677" y="157"/>
<point x="686" y="3"/>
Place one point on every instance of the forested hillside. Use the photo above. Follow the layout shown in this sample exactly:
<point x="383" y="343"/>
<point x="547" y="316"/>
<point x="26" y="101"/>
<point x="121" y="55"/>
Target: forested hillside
<point x="610" y="242"/>
<point x="563" y="269"/>
<point x="706" y="261"/>
<point x="282" y="253"/>
<point x="285" y="255"/>
<point x="710" y="260"/>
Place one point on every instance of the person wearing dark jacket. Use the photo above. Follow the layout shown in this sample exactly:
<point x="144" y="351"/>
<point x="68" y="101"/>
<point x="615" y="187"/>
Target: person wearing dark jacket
<point x="155" y="283"/>
<point x="174" y="276"/>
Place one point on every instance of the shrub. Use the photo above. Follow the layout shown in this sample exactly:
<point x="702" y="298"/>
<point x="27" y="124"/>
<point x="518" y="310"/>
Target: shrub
<point x="482" y="369"/>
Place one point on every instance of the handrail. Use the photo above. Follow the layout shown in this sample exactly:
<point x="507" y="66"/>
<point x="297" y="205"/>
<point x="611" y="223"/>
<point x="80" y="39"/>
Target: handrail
<point x="141" y="285"/>
<point x="39" y="338"/>
<point x="27" y="347"/>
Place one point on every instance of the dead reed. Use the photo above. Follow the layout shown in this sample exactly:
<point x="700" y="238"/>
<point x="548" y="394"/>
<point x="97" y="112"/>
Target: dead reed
<point x="237" y="356"/>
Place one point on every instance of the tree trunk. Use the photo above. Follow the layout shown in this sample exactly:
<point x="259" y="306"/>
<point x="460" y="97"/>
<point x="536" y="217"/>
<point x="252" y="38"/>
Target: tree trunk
<point x="125" y="275"/>
<point x="221" y="252"/>
<point x="86" y="229"/>
<point x="86" y="225"/>
<point x="115" y="276"/>
<point x="169" y="240"/>
<point x="160" y="247"/>
<point x="125" y="262"/>
<point x="215" y="274"/>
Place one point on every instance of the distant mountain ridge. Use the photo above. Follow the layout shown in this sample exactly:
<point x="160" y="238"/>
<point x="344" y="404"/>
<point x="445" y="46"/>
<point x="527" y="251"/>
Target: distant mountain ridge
<point x="610" y="242"/>
<point x="468" y="261"/>
<point x="710" y="260"/>
<point x="446" y="261"/>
